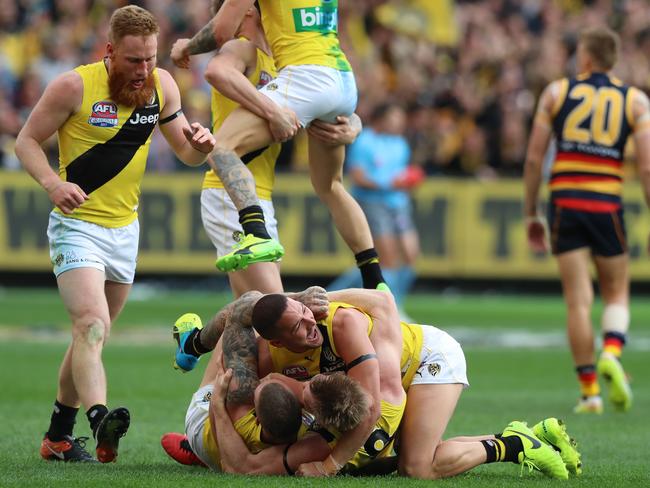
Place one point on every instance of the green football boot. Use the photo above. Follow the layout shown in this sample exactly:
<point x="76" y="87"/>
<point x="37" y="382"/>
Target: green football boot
<point x="620" y="394"/>
<point x="184" y="325"/>
<point x="553" y="432"/>
<point x="249" y="250"/>
<point x="536" y="454"/>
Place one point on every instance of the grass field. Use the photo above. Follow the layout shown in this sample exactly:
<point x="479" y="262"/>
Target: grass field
<point x="521" y="382"/>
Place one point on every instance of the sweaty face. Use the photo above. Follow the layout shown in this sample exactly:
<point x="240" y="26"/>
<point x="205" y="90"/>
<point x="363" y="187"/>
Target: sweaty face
<point x="298" y="330"/>
<point x="130" y="73"/>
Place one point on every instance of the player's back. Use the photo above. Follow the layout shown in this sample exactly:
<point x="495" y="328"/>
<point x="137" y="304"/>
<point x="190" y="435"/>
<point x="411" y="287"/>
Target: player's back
<point x="303" y="32"/>
<point x="592" y="119"/>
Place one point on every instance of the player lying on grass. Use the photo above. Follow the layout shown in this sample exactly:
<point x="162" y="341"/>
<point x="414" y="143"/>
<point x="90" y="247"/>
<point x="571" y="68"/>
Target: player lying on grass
<point x="317" y="347"/>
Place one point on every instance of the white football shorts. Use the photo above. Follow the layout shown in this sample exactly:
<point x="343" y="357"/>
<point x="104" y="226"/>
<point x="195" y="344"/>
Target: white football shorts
<point x="76" y="243"/>
<point x="197" y="414"/>
<point x="221" y="219"/>
<point x="314" y="92"/>
<point x="442" y="360"/>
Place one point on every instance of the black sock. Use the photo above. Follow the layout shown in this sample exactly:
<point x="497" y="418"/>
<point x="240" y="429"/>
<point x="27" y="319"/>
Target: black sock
<point x="62" y="421"/>
<point x="95" y="415"/>
<point x="513" y="447"/>
<point x="368" y="264"/>
<point x="193" y="344"/>
<point x="252" y="221"/>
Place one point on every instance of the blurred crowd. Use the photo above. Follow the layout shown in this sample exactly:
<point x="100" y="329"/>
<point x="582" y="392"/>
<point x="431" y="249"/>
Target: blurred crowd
<point x="467" y="72"/>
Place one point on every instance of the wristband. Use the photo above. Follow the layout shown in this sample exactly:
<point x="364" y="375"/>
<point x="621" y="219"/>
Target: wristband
<point x="534" y="220"/>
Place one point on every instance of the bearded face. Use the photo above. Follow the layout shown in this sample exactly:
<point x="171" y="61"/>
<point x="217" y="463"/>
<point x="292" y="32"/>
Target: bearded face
<point x="130" y="70"/>
<point x="124" y="91"/>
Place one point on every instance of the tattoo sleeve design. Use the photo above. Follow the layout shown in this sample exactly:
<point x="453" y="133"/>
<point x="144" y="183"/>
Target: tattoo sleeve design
<point x="236" y="178"/>
<point x="240" y="354"/>
<point x="238" y="313"/>
<point x="203" y="41"/>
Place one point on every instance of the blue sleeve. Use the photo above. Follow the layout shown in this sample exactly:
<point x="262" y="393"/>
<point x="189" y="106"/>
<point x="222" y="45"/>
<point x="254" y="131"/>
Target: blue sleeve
<point x="360" y="153"/>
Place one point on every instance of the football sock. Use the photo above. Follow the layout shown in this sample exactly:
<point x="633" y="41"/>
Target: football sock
<point x="503" y="449"/>
<point x="368" y="264"/>
<point x="613" y="343"/>
<point x="588" y="380"/>
<point x="193" y="344"/>
<point x="95" y="415"/>
<point x="252" y="221"/>
<point x="62" y="421"/>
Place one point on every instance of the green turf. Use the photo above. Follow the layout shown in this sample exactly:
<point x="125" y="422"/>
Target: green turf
<point x="506" y="384"/>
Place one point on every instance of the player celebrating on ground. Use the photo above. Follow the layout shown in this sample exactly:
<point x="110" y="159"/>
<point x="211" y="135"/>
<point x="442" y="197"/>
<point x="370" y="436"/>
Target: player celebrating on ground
<point x="591" y="116"/>
<point x="104" y="114"/>
<point x="433" y="369"/>
<point x="315" y="81"/>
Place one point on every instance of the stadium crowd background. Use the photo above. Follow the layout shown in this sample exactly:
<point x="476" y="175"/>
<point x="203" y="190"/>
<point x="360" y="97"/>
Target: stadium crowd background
<point x="467" y="72"/>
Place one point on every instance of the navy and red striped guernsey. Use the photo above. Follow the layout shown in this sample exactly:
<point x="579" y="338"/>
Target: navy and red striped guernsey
<point x="591" y="122"/>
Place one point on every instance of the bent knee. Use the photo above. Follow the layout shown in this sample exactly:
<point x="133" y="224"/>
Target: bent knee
<point x="421" y="470"/>
<point x="92" y="330"/>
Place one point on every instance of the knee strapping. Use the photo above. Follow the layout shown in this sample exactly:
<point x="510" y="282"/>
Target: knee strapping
<point x="616" y="318"/>
<point x="95" y="332"/>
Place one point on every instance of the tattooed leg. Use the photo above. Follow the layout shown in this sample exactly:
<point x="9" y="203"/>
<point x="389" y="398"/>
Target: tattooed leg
<point x="235" y="176"/>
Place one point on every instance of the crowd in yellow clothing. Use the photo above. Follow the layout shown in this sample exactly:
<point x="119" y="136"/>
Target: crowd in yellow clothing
<point x="468" y="72"/>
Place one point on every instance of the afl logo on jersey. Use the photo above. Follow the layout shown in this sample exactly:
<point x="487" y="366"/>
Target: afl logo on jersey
<point x="264" y="80"/>
<point x="104" y="114"/>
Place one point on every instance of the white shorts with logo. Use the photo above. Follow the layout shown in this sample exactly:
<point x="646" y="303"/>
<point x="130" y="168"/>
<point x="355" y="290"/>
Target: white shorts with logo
<point x="442" y="360"/>
<point x="197" y="414"/>
<point x="76" y="243"/>
<point x="221" y="219"/>
<point x="313" y="92"/>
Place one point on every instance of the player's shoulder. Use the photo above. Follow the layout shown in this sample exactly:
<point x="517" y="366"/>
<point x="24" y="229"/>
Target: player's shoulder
<point x="68" y="82"/>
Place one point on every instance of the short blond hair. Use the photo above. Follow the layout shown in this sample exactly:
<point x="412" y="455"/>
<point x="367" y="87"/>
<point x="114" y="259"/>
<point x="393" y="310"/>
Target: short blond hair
<point x="341" y="401"/>
<point x="602" y="45"/>
<point x="131" y="21"/>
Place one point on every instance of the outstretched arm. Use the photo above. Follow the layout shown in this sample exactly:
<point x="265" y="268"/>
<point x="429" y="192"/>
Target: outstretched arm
<point x="241" y="311"/>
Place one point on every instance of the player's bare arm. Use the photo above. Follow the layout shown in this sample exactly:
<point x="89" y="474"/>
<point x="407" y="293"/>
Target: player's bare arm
<point x="241" y="309"/>
<point x="228" y="19"/>
<point x="61" y="99"/>
<point x="275" y="460"/>
<point x="343" y="132"/>
<point x="537" y="145"/>
<point x="240" y="355"/>
<point x="191" y="142"/>
<point x="202" y="42"/>
<point x="353" y="344"/>
<point x="227" y="73"/>
<point x="641" y="116"/>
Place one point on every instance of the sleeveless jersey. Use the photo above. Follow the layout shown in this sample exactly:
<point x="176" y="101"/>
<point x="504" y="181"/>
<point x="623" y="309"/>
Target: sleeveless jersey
<point x="324" y="359"/>
<point x="103" y="148"/>
<point x="303" y="32"/>
<point x="592" y="120"/>
<point x="262" y="162"/>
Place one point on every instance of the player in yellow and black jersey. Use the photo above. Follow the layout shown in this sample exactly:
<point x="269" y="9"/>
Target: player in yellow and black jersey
<point x="367" y="343"/>
<point x="591" y="116"/>
<point x="103" y="114"/>
<point x="314" y="81"/>
<point x="243" y="60"/>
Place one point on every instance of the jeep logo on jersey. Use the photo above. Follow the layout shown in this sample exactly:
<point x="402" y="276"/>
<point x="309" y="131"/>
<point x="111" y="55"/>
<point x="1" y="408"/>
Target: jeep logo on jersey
<point x="144" y="119"/>
<point x="104" y="114"/>
<point x="322" y="19"/>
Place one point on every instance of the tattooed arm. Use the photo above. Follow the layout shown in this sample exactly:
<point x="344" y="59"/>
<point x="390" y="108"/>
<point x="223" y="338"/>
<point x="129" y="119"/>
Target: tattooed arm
<point x="240" y="355"/>
<point x="238" y="312"/>
<point x="202" y="42"/>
